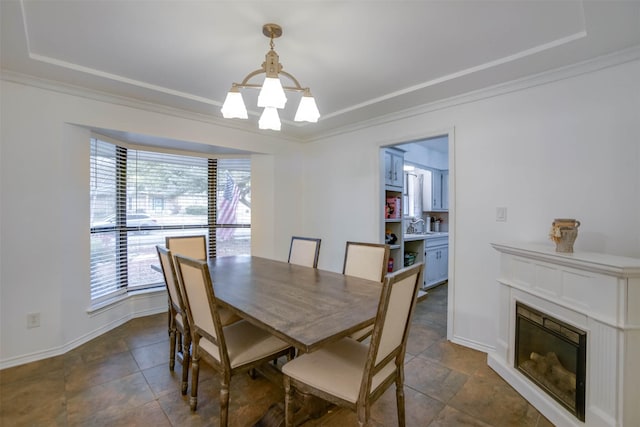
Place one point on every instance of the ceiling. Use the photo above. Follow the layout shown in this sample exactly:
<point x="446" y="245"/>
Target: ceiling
<point x="362" y="59"/>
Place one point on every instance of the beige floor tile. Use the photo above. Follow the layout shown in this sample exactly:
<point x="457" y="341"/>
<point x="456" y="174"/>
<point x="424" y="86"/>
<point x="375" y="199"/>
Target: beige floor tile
<point x="450" y="417"/>
<point x="31" y="370"/>
<point x="493" y="402"/>
<point x="106" y="401"/>
<point x="80" y="375"/>
<point x="38" y="401"/>
<point x="456" y="357"/>
<point x="152" y="355"/>
<point x="123" y="378"/>
<point x="433" y="379"/>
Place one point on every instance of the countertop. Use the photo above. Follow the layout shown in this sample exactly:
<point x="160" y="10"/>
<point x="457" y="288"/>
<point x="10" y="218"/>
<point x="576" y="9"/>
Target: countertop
<point x="430" y="235"/>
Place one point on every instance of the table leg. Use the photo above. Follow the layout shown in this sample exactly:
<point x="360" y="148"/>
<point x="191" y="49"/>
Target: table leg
<point x="306" y="406"/>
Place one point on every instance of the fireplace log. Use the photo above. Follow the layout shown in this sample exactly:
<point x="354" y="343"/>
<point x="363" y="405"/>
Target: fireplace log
<point x="564" y="379"/>
<point x="540" y="363"/>
<point x="550" y="366"/>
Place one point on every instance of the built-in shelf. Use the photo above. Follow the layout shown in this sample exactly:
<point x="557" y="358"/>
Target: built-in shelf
<point x="392" y="204"/>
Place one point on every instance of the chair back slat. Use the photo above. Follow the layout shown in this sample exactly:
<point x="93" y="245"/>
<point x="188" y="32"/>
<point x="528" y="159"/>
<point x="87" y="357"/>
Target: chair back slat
<point x="366" y="260"/>
<point x="396" y="317"/>
<point x="199" y="296"/>
<point x="169" y="272"/>
<point x="190" y="246"/>
<point x="304" y="251"/>
<point x="391" y="327"/>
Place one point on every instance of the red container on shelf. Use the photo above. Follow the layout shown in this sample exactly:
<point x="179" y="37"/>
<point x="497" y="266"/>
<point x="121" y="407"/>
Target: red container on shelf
<point x="393" y="208"/>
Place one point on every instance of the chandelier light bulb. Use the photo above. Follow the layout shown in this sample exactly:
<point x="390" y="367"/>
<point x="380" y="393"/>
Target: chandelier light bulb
<point x="272" y="94"/>
<point x="233" y="107"/>
<point x="307" y="110"/>
<point x="269" y="119"/>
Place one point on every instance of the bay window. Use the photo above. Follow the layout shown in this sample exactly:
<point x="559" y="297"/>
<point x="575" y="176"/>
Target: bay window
<point x="139" y="197"/>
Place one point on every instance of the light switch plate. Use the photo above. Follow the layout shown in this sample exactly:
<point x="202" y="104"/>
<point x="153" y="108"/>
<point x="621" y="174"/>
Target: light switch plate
<point x="33" y="320"/>
<point x="501" y="214"/>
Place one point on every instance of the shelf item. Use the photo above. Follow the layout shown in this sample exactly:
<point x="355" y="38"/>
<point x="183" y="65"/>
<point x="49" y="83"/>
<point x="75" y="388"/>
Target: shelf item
<point x="409" y="258"/>
<point x="393" y="207"/>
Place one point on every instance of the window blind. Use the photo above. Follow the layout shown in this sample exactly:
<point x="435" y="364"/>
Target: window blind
<point x="139" y="197"/>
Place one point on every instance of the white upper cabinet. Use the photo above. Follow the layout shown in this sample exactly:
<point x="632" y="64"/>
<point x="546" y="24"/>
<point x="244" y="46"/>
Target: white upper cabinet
<point x="393" y="164"/>
<point x="435" y="191"/>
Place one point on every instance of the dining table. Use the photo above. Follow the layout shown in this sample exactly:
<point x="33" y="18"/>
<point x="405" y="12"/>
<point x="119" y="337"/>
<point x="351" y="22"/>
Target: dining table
<point x="304" y="306"/>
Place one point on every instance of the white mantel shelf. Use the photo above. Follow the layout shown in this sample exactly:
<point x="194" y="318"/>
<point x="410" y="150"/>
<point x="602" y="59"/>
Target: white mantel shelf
<point x="598" y="293"/>
<point x="595" y="262"/>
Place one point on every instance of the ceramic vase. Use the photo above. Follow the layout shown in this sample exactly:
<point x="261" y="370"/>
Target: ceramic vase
<point x="564" y="232"/>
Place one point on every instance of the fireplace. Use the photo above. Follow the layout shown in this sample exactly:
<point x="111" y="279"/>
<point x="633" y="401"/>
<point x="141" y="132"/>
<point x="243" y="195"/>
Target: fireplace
<point x="579" y="312"/>
<point x="552" y="354"/>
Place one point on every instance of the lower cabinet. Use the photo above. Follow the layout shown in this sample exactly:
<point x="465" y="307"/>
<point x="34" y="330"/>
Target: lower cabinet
<point x="436" y="255"/>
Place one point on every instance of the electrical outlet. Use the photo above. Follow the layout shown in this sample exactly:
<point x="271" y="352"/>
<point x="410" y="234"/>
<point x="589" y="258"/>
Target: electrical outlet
<point x="33" y="320"/>
<point x="501" y="214"/>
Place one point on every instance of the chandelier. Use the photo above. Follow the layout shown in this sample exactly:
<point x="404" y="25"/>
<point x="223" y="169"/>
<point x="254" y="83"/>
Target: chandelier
<point x="271" y="96"/>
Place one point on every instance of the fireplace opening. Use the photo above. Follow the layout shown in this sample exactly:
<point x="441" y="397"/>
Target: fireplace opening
<point x="552" y="354"/>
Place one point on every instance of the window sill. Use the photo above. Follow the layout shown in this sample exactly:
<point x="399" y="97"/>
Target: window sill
<point x="98" y="308"/>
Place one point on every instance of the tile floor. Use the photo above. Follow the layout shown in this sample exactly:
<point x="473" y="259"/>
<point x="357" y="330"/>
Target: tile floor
<point x="122" y="378"/>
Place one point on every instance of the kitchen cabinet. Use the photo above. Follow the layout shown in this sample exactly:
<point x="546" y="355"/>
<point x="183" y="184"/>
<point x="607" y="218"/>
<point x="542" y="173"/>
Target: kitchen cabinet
<point x="444" y="190"/>
<point x="436" y="255"/>
<point x="435" y="195"/>
<point x="393" y="168"/>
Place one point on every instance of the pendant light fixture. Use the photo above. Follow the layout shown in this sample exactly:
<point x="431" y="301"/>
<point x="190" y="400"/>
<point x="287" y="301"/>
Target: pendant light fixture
<point x="272" y="93"/>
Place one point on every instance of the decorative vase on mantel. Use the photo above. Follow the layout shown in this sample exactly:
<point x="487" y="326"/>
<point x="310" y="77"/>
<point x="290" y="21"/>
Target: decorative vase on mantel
<point x="564" y="232"/>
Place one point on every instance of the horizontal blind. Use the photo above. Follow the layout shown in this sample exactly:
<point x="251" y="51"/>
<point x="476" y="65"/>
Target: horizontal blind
<point x="233" y="207"/>
<point x="167" y="195"/>
<point x="140" y="197"/>
<point x="108" y="278"/>
<point x="233" y="192"/>
<point x="169" y="186"/>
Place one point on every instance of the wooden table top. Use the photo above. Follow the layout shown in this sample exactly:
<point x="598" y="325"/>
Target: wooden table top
<point x="304" y="306"/>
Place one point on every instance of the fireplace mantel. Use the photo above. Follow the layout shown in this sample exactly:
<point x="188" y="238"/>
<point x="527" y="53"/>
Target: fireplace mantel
<point x="597" y="293"/>
<point x="611" y="265"/>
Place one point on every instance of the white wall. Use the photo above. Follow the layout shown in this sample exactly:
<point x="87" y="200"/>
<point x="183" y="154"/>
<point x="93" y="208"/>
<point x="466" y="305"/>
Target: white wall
<point x="564" y="149"/>
<point x="44" y="216"/>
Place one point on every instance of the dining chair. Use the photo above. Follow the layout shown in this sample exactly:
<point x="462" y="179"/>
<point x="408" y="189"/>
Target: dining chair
<point x="191" y="246"/>
<point x="354" y="374"/>
<point x="196" y="247"/>
<point x="229" y="350"/>
<point x="179" y="334"/>
<point x="367" y="261"/>
<point x="304" y="251"/>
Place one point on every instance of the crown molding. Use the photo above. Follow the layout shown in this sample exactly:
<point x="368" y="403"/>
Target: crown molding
<point x="569" y="71"/>
<point x="589" y="66"/>
<point x="109" y="98"/>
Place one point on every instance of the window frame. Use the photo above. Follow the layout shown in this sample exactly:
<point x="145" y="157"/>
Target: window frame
<point x="121" y="232"/>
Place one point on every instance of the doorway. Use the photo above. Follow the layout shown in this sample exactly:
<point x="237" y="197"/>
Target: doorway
<point x="428" y="204"/>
